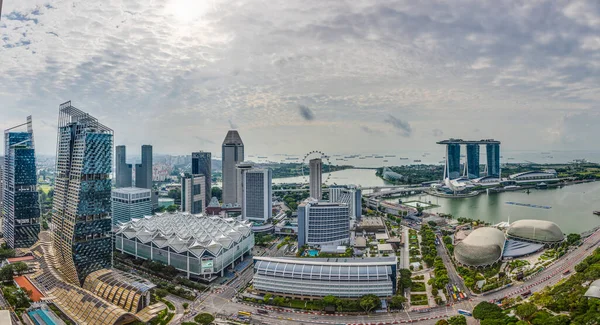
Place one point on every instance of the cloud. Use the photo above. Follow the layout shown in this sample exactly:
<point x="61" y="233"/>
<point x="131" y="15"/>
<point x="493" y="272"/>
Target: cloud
<point x="403" y="127"/>
<point x="437" y="132"/>
<point x="369" y="130"/>
<point x="143" y="66"/>
<point x="204" y="140"/>
<point x="306" y="113"/>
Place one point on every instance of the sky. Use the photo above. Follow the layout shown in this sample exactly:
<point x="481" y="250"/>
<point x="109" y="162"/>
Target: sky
<point x="295" y="76"/>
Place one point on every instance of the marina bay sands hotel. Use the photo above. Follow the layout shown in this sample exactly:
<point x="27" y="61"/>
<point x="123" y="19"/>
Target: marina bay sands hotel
<point x="452" y="169"/>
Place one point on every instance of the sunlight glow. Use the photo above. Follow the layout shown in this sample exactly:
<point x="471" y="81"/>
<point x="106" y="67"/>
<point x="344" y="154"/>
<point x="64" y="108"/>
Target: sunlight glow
<point x="187" y="11"/>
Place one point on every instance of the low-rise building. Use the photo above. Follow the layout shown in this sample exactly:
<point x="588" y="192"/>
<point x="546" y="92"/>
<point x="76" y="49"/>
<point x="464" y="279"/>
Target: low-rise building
<point x="198" y="245"/>
<point x="309" y="278"/>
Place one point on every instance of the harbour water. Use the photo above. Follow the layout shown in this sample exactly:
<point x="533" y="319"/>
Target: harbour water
<point x="571" y="207"/>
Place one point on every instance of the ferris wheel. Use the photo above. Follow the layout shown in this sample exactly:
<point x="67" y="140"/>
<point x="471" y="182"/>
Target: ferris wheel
<point x="305" y="169"/>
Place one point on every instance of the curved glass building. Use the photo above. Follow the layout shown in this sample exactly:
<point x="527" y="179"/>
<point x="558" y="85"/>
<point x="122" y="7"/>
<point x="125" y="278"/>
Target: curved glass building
<point x="482" y="247"/>
<point x="538" y="231"/>
<point x="319" y="277"/>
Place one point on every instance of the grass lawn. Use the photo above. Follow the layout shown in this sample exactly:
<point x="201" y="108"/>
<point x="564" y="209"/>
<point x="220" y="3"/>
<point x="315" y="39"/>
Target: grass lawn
<point x="418" y="300"/>
<point x="418" y="287"/>
<point x="45" y="187"/>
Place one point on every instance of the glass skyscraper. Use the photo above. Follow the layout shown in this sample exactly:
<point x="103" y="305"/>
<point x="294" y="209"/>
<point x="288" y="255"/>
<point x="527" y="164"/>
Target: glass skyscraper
<point x="20" y="205"/>
<point x="123" y="169"/>
<point x="472" y="160"/>
<point x="493" y="159"/>
<point x="201" y="165"/>
<point x="452" y="161"/>
<point x="231" y="155"/>
<point x="81" y="212"/>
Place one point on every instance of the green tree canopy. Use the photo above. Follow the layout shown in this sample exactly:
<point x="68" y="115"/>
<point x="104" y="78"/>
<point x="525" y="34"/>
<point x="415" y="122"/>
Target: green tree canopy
<point x="204" y="318"/>
<point x="457" y="320"/>
<point x="397" y="301"/>
<point x="573" y="239"/>
<point x="487" y="310"/>
<point x="369" y="302"/>
<point x="525" y="311"/>
<point x="330" y="300"/>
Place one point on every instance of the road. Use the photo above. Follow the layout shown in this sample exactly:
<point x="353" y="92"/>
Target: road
<point x="452" y="273"/>
<point x="220" y="302"/>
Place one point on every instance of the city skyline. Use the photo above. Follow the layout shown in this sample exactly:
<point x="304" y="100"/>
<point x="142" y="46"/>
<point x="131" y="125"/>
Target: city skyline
<point x="386" y="76"/>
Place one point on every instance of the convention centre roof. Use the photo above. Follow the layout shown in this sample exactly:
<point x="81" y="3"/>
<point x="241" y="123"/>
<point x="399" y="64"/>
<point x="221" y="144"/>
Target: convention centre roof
<point x="182" y="231"/>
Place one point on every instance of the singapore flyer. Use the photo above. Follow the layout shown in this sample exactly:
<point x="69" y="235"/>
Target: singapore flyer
<point x="305" y="169"/>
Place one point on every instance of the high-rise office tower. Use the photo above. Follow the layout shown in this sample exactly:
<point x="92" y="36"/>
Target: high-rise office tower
<point x="82" y="195"/>
<point x="1" y="191"/>
<point x="323" y="223"/>
<point x="143" y="171"/>
<point x="493" y="159"/>
<point x="123" y="169"/>
<point x="240" y="169"/>
<point x="472" y="160"/>
<point x="316" y="178"/>
<point x="129" y="203"/>
<point x="21" y="204"/>
<point x="201" y="165"/>
<point x="231" y="155"/>
<point x="452" y="170"/>
<point x="257" y="194"/>
<point x="192" y="194"/>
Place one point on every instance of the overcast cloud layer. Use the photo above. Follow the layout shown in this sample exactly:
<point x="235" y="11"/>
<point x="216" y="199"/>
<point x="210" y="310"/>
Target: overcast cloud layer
<point x="294" y="76"/>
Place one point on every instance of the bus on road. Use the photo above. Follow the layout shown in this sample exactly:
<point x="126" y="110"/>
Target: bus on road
<point x="464" y="312"/>
<point x="244" y="313"/>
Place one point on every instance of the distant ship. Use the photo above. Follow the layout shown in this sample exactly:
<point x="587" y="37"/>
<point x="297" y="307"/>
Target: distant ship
<point x="339" y="159"/>
<point x="417" y="160"/>
<point x="385" y="161"/>
<point x="390" y="155"/>
<point x="290" y="158"/>
<point x="545" y="153"/>
<point x="378" y="156"/>
<point x="262" y="157"/>
<point x="361" y="158"/>
<point x="402" y="158"/>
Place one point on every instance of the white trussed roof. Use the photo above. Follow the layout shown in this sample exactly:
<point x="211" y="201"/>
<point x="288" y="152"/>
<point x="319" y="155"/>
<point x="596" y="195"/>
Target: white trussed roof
<point x="182" y="231"/>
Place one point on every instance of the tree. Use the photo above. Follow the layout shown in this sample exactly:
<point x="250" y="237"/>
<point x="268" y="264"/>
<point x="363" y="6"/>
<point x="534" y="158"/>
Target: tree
<point x="457" y="320"/>
<point x="397" y="301"/>
<point x="267" y="297"/>
<point x="204" y="318"/>
<point x="432" y="224"/>
<point x="161" y="293"/>
<point x="216" y="192"/>
<point x="185" y="305"/>
<point x="7" y="273"/>
<point x="573" y="239"/>
<point x="288" y="213"/>
<point x="329" y="300"/>
<point x="278" y="301"/>
<point x="487" y="310"/>
<point x="405" y="280"/>
<point x="369" y="302"/>
<point x="442" y="322"/>
<point x="525" y="311"/>
<point x="172" y="208"/>
<point x="20" y="267"/>
<point x="447" y="240"/>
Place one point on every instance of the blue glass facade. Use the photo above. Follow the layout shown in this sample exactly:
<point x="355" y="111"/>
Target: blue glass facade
<point x="21" y="205"/>
<point x="453" y="161"/>
<point x="493" y="159"/>
<point x="472" y="161"/>
<point x="82" y="199"/>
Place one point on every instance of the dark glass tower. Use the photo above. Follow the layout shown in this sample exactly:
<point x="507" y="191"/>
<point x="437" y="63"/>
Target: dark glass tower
<point x="201" y="165"/>
<point x="232" y="154"/>
<point x="82" y="196"/>
<point x="123" y="169"/>
<point x="493" y="159"/>
<point x="21" y="206"/>
<point x="143" y="171"/>
<point x="472" y="160"/>
<point x="452" y="161"/>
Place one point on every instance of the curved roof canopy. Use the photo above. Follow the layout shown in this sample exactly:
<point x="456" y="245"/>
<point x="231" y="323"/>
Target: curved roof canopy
<point x="594" y="290"/>
<point x="182" y="231"/>
<point x="481" y="247"/>
<point x="536" y="230"/>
